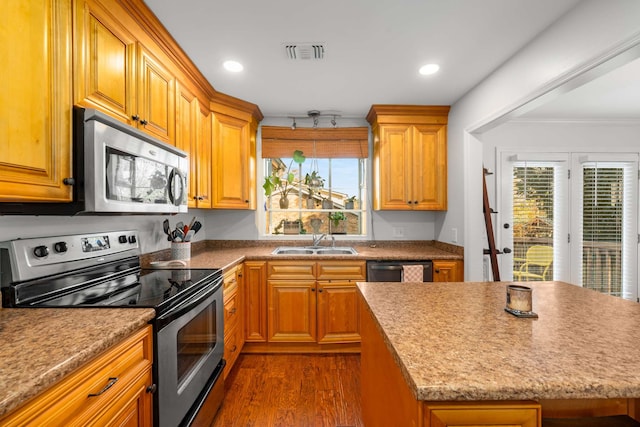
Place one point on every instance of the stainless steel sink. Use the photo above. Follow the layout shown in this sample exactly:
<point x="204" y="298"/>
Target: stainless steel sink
<point x="313" y="250"/>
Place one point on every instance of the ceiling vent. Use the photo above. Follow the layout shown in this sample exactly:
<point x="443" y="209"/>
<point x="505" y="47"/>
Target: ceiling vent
<point x="303" y="51"/>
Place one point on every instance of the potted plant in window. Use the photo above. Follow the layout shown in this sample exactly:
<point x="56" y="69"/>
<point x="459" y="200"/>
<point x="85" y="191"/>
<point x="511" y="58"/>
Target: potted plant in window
<point x="338" y="222"/>
<point x="349" y="202"/>
<point x="314" y="183"/>
<point x="283" y="183"/>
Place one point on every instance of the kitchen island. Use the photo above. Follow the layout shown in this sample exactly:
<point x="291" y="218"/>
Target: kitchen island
<point x="448" y="353"/>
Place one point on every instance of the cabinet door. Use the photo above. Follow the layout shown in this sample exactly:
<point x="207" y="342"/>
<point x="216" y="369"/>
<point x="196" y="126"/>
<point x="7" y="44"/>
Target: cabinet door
<point x="447" y="271"/>
<point x="35" y="107"/>
<point x="231" y="162"/>
<point x="292" y="310"/>
<point x="156" y="97"/>
<point x="203" y="163"/>
<point x="105" y="73"/>
<point x="255" y="301"/>
<point x="507" y="414"/>
<point x="429" y="167"/>
<point x="393" y="160"/>
<point x="186" y="131"/>
<point x="338" y="312"/>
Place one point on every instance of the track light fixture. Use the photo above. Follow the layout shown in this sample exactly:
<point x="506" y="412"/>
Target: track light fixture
<point x="315" y="116"/>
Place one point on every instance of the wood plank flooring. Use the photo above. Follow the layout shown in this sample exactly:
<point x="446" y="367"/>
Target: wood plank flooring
<point x="292" y="390"/>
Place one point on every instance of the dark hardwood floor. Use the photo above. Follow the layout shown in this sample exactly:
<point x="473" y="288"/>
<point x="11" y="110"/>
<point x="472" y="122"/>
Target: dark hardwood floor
<point x="291" y="390"/>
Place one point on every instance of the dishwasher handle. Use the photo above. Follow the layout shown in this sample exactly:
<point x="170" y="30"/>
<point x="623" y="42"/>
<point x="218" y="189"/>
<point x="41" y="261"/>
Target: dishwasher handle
<point x="395" y="267"/>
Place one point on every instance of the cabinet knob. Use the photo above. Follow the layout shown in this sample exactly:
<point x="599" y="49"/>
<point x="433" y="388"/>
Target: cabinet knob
<point x="152" y="388"/>
<point x="233" y="311"/>
<point x="320" y="290"/>
<point x="69" y="181"/>
<point x="437" y="270"/>
<point x="143" y="122"/>
<point x="235" y="347"/>
<point x="135" y="117"/>
<point x="313" y="289"/>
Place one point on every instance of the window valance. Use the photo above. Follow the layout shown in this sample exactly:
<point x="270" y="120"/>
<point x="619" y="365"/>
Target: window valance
<point x="278" y="142"/>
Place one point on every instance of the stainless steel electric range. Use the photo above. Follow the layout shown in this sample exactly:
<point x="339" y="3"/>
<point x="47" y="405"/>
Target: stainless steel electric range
<point x="103" y="270"/>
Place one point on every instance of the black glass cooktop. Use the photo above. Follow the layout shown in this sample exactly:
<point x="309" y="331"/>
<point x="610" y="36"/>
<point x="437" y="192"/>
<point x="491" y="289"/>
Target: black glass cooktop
<point x="114" y="285"/>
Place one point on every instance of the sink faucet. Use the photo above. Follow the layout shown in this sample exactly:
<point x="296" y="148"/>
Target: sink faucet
<point x="318" y="239"/>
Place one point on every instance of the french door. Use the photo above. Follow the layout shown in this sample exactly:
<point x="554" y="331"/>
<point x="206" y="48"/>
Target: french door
<point x="571" y="217"/>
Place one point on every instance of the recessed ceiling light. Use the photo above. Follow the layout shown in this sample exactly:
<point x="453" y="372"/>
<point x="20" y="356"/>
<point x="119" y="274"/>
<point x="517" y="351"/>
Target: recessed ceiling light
<point x="427" y="69"/>
<point x="233" y="66"/>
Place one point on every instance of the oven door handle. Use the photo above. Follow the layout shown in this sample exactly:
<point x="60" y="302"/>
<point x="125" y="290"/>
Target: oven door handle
<point x="191" y="302"/>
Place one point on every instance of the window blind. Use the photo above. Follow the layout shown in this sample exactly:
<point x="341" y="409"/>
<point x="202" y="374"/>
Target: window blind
<point x="606" y="222"/>
<point x="326" y="143"/>
<point x="534" y="210"/>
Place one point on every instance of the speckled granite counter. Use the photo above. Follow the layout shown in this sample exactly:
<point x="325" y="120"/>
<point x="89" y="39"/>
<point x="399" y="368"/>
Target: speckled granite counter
<point x="454" y="341"/>
<point x="221" y="254"/>
<point x="39" y="347"/>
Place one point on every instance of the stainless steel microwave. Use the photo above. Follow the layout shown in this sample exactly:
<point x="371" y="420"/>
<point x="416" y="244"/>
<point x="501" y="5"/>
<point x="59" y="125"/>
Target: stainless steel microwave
<point x="117" y="170"/>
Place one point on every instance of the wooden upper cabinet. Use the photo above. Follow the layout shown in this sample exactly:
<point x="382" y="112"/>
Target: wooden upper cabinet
<point x="119" y="75"/>
<point x="203" y="159"/>
<point x="187" y="129"/>
<point x="35" y="107"/>
<point x="233" y="158"/>
<point x="105" y="72"/>
<point x="156" y="101"/>
<point x="410" y="157"/>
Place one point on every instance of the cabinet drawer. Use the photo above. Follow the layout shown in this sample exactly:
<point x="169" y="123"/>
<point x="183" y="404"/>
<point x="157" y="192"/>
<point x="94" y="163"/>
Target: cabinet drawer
<point x="231" y="311"/>
<point x="291" y="270"/>
<point x="230" y="280"/>
<point x="342" y="270"/>
<point x="232" y="347"/>
<point x="91" y="390"/>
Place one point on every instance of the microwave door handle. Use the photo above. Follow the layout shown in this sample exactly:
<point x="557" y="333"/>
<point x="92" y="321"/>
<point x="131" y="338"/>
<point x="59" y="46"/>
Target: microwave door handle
<point x="176" y="174"/>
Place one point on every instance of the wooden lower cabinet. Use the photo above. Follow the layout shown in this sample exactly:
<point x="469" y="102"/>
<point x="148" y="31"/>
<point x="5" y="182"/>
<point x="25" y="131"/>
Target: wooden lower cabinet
<point x="313" y="302"/>
<point x="448" y="271"/>
<point x="233" y="317"/>
<point x="458" y="414"/>
<point x="110" y="390"/>
<point x="292" y="310"/>
<point x="338" y="311"/>
<point x="255" y="301"/>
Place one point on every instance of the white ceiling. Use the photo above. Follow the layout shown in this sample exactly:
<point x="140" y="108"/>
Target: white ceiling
<point x="612" y="96"/>
<point x="373" y="47"/>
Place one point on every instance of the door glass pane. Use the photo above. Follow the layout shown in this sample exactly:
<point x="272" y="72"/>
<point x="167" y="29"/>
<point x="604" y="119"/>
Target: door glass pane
<point x="602" y="228"/>
<point x="533" y="221"/>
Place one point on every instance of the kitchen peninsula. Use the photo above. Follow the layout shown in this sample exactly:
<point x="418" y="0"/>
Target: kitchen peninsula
<point x="448" y="354"/>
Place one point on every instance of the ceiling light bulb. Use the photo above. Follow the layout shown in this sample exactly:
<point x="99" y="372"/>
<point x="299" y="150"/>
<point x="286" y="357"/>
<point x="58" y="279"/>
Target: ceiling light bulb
<point x="233" y="66"/>
<point x="428" y="69"/>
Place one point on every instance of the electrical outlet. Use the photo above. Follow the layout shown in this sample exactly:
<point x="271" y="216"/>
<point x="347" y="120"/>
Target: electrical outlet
<point x="398" y="231"/>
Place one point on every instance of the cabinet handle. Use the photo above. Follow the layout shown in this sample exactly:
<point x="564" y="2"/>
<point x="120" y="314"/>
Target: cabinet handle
<point x="152" y="388"/>
<point x="111" y="382"/>
<point x="143" y="122"/>
<point x="135" y="117"/>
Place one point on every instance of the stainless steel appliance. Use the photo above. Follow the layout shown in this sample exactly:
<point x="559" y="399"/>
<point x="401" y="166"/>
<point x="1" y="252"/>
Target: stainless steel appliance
<point x="103" y="270"/>
<point x="117" y="169"/>
<point x="391" y="271"/>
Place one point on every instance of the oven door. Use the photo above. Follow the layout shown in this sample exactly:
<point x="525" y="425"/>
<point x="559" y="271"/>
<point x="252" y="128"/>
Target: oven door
<point x="189" y="348"/>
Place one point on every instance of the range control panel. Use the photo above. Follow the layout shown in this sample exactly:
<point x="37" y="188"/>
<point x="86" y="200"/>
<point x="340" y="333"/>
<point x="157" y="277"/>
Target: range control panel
<point x="40" y="256"/>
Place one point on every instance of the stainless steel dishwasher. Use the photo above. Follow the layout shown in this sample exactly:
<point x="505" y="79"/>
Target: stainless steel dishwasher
<point x="391" y="271"/>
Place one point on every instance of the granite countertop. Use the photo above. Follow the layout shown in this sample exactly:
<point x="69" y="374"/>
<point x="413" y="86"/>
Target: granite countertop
<point x="224" y="254"/>
<point x="39" y="347"/>
<point x="454" y="341"/>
